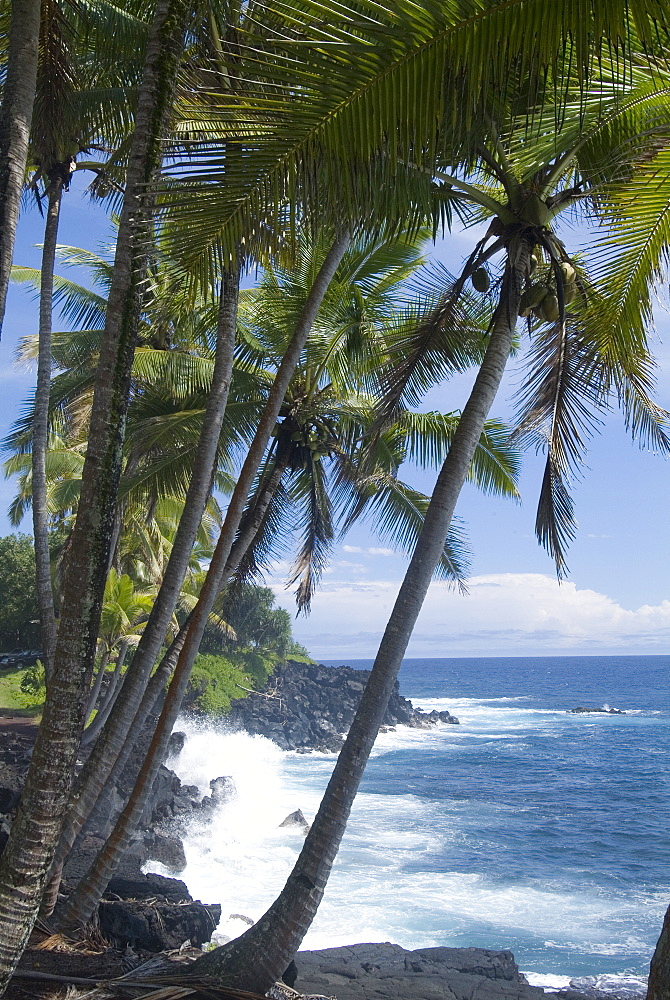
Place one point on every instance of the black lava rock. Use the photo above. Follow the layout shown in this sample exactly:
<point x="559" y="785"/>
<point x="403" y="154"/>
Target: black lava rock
<point x="309" y="707"/>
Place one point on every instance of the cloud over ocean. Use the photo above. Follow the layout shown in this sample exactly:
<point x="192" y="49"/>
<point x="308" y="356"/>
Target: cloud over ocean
<point x="503" y="614"/>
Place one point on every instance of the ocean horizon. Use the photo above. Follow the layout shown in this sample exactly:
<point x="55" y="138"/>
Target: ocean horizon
<point x="525" y="827"/>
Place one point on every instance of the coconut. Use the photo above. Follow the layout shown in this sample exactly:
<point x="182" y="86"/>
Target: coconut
<point x="480" y="280"/>
<point x="535" y="211"/>
<point x="569" y="273"/>
<point x="549" y="309"/>
<point x="536" y="293"/>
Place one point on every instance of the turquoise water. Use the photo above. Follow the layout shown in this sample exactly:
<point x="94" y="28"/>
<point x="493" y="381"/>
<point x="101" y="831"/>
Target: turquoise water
<point x="525" y="827"/>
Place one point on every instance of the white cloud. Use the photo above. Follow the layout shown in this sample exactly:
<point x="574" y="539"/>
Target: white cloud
<point x="371" y="550"/>
<point x="504" y="614"/>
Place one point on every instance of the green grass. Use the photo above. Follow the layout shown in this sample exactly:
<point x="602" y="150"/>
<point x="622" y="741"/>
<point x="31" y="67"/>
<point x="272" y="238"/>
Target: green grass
<point x="12" y="699"/>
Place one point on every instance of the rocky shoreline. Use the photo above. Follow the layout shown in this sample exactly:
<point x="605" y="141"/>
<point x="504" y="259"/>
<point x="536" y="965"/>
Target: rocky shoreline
<point x="310" y="707"/>
<point x="306" y="707"/>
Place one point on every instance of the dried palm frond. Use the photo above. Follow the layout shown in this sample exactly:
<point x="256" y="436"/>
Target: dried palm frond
<point x="171" y="986"/>
<point x="92" y="944"/>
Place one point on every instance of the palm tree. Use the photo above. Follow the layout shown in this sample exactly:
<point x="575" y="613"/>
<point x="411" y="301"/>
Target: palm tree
<point x="23" y="868"/>
<point x="575" y="366"/>
<point x="319" y="468"/>
<point x="65" y="124"/>
<point x="317" y="140"/>
<point x="15" y="120"/>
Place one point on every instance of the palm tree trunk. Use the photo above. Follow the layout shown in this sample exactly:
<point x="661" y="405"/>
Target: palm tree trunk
<point x="27" y="858"/>
<point x="659" y="970"/>
<point x="81" y="904"/>
<point x="45" y="599"/>
<point x="97" y="769"/>
<point x="110" y="743"/>
<point x="155" y="687"/>
<point x="15" y="120"/>
<point x="71" y="830"/>
<point x="257" y="958"/>
<point x="92" y="731"/>
<point x="150" y="705"/>
<point x="95" y="690"/>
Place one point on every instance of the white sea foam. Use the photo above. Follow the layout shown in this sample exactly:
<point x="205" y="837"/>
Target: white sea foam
<point x="379" y="889"/>
<point x="550" y="983"/>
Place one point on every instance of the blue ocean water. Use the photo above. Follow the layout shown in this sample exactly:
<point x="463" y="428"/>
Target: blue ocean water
<point x="525" y="827"/>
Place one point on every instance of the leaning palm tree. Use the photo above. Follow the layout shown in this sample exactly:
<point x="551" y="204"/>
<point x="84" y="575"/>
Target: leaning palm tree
<point x="304" y="155"/>
<point x="576" y="364"/>
<point x="319" y="469"/>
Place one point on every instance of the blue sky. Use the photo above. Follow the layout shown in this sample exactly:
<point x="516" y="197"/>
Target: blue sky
<point x="616" y="599"/>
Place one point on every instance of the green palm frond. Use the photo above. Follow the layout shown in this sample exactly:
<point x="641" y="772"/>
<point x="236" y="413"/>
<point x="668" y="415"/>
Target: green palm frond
<point x="331" y="82"/>
<point x="430" y="341"/>
<point x="426" y="438"/>
<point x="78" y="305"/>
<point x="560" y="405"/>
<point x="396" y="512"/>
<point x="317" y="533"/>
<point x="274" y="534"/>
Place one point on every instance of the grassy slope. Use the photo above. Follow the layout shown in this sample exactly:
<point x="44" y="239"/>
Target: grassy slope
<point x="11" y="698"/>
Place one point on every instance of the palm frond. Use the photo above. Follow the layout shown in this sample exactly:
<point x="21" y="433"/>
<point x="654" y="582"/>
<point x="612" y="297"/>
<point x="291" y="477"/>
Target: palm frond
<point x="559" y="407"/>
<point x="317" y="530"/>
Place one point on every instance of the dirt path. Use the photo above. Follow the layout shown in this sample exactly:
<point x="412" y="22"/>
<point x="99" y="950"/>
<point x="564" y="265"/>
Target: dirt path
<point x="18" y="725"/>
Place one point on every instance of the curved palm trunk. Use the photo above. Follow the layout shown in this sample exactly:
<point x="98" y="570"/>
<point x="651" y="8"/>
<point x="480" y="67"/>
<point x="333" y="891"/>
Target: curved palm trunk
<point x="150" y="705"/>
<point x="15" y="119"/>
<point x="151" y="696"/>
<point x="92" y="731"/>
<point x="27" y="858"/>
<point x="155" y="689"/>
<point x="98" y="768"/>
<point x="45" y="599"/>
<point x="659" y="970"/>
<point x="257" y="958"/>
<point x="95" y="690"/>
<point x="110" y="743"/>
<point x="81" y="904"/>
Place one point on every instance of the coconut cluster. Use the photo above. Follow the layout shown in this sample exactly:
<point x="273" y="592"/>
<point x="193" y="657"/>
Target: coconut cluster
<point x="541" y="298"/>
<point x="317" y="436"/>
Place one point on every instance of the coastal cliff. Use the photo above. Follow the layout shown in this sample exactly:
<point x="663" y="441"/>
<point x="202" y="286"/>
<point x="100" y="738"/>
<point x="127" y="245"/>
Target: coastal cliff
<point x="307" y="706"/>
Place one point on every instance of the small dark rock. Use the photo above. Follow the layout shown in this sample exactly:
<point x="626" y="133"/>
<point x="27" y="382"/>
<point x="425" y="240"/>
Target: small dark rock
<point x="168" y="849"/>
<point x="176" y="744"/>
<point x="582" y="710"/>
<point x="223" y="790"/>
<point x="291" y="974"/>
<point x="157" y="926"/>
<point x="297" y="819"/>
<point x="149" y="886"/>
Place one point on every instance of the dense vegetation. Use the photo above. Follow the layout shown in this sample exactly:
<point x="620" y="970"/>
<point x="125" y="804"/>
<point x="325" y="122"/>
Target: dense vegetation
<point x="19" y="623"/>
<point x="184" y="433"/>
